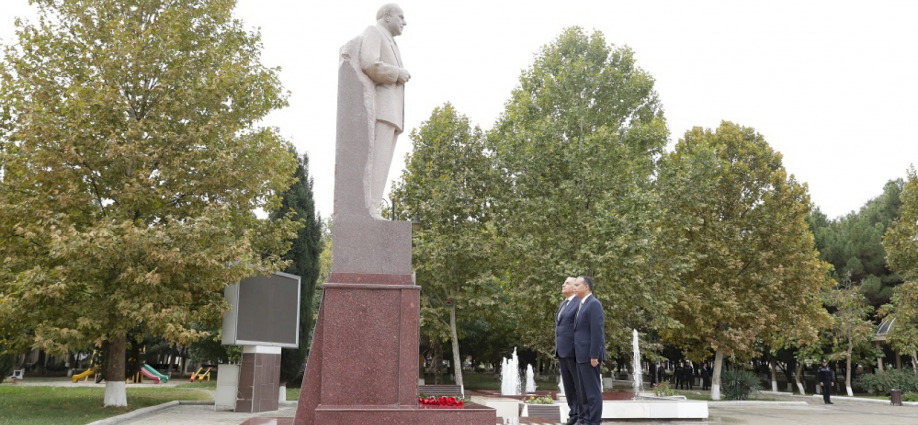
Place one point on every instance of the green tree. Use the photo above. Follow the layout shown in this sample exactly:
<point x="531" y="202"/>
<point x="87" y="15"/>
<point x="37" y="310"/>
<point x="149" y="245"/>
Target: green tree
<point x="854" y="244"/>
<point x="577" y="146"/>
<point x="447" y="183"/>
<point x="132" y="170"/>
<point x="852" y="328"/>
<point x="755" y="272"/>
<point x="901" y="245"/>
<point x="304" y="262"/>
<point x="903" y="308"/>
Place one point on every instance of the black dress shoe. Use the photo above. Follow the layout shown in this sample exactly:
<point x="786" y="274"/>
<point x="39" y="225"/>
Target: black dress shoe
<point x="571" y="421"/>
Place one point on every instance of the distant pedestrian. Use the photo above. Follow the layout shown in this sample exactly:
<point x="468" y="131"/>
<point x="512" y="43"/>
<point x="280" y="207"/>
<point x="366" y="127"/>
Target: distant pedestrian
<point x="677" y="375"/>
<point x="688" y="375"/>
<point x="826" y="381"/>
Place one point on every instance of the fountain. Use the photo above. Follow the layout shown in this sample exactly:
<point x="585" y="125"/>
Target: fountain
<point x="636" y="365"/>
<point x="510" y="375"/>
<point x="530" y="380"/>
<point x="647" y="407"/>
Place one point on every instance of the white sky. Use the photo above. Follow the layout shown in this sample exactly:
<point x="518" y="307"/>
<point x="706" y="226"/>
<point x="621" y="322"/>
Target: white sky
<point x="831" y="84"/>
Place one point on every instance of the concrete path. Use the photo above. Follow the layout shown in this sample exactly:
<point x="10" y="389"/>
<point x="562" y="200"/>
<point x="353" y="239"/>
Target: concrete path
<point x="803" y="410"/>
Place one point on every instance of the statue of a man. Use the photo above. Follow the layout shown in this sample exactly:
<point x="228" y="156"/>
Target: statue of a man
<point x="381" y="62"/>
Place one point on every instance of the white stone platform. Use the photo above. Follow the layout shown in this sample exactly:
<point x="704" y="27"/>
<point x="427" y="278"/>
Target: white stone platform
<point x="658" y="408"/>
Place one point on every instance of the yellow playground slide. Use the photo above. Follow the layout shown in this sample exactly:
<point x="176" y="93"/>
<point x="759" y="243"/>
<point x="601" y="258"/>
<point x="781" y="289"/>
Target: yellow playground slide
<point x="85" y="374"/>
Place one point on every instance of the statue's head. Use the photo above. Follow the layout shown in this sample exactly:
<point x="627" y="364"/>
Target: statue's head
<point x="391" y="17"/>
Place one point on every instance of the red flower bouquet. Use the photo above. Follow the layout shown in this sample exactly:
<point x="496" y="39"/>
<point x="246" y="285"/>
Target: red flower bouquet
<point x="450" y="402"/>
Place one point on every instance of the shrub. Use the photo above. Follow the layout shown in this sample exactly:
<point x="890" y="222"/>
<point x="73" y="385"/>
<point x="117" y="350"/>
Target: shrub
<point x="539" y="400"/>
<point x="663" y="390"/>
<point x="739" y="384"/>
<point x="882" y="382"/>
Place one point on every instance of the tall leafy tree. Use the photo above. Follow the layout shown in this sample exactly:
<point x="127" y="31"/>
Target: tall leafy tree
<point x="852" y="328"/>
<point x="901" y="244"/>
<point x="303" y="258"/>
<point x="447" y="183"/>
<point x="577" y="147"/>
<point x="755" y="271"/>
<point x="132" y="170"/>
<point x="854" y="245"/>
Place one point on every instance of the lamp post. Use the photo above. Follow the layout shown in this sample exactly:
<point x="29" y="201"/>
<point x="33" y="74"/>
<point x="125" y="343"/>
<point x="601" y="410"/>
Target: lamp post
<point x="392" y="203"/>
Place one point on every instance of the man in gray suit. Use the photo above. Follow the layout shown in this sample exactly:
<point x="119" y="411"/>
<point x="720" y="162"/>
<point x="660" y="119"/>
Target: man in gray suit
<point x="381" y="61"/>
<point x="564" y="347"/>
<point x="590" y="350"/>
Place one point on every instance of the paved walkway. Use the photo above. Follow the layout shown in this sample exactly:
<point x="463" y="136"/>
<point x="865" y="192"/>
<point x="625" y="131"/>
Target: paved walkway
<point x="803" y="410"/>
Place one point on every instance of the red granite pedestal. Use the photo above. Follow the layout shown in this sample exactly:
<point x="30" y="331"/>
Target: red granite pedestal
<point x="363" y="366"/>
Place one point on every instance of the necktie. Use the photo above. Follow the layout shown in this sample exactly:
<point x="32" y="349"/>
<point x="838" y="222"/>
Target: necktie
<point x="580" y="306"/>
<point x="563" y="306"/>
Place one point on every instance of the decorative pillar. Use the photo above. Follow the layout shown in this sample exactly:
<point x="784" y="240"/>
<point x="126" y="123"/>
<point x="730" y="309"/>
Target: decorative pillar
<point x="259" y="379"/>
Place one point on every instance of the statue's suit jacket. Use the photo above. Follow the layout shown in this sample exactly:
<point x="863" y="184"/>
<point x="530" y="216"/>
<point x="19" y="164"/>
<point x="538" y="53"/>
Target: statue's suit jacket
<point x="381" y="61"/>
<point x="589" y="332"/>
<point x="564" y="329"/>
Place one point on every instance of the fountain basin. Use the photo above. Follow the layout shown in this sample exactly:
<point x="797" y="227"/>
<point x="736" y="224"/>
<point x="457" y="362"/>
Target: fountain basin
<point x="650" y="409"/>
<point x="612" y="408"/>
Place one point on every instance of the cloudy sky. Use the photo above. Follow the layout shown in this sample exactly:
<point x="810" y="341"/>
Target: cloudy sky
<point x="832" y="85"/>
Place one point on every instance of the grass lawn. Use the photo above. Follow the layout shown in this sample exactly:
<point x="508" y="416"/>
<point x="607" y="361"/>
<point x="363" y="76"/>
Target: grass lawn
<point x="39" y="405"/>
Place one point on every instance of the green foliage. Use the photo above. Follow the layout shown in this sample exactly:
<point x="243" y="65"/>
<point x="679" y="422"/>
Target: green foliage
<point x="902" y="250"/>
<point x="883" y="381"/>
<point x="576" y="149"/>
<point x="303" y="258"/>
<point x="132" y="169"/>
<point x="755" y="274"/>
<point x="539" y="400"/>
<point x="853" y="244"/>
<point x="852" y="327"/>
<point x="662" y="389"/>
<point x="448" y="183"/>
<point x="903" y="308"/>
<point x="739" y="384"/>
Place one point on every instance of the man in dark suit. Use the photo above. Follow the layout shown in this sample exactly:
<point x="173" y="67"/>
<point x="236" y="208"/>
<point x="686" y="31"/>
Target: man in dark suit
<point x="826" y="381"/>
<point x="564" y="347"/>
<point x="590" y="350"/>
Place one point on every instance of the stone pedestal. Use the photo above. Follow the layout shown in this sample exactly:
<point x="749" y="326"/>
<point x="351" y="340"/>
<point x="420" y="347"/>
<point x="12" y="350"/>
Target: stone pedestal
<point x="259" y="378"/>
<point x="363" y="366"/>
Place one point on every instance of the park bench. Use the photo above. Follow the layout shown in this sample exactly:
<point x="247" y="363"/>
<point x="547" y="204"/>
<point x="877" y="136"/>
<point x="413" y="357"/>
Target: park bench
<point x="440" y="390"/>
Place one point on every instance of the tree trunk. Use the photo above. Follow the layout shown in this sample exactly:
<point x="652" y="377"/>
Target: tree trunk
<point x="715" y="379"/>
<point x="915" y="361"/>
<point x="115" y="391"/>
<point x="457" y="360"/>
<point x="798" y="378"/>
<point x="848" y="369"/>
<point x="774" y="374"/>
